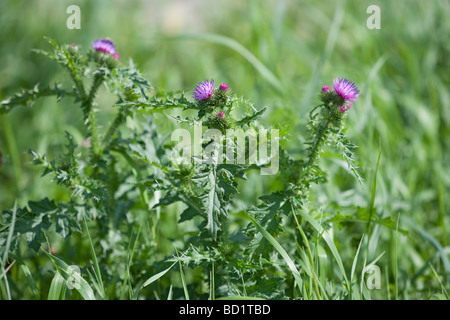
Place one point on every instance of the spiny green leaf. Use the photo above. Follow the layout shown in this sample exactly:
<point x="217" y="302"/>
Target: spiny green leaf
<point x="37" y="218"/>
<point x="29" y="97"/>
<point x="250" y="118"/>
<point x="212" y="204"/>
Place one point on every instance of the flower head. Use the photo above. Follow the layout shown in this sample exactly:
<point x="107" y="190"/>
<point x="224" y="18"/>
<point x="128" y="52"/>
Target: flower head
<point x="204" y="90"/>
<point x="223" y="87"/>
<point x="221" y="114"/>
<point x="325" y="89"/>
<point x="346" y="89"/>
<point x="106" y="46"/>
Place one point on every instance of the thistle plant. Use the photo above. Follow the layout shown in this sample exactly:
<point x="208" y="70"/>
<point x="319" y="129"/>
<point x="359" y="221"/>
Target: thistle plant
<point x="124" y="172"/>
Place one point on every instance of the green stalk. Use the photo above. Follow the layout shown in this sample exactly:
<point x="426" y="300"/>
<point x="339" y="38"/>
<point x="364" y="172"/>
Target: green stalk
<point x="78" y="83"/>
<point x="120" y="117"/>
<point x="320" y="137"/>
<point x="90" y="115"/>
<point x="87" y="101"/>
<point x="212" y="285"/>
<point x="94" y="136"/>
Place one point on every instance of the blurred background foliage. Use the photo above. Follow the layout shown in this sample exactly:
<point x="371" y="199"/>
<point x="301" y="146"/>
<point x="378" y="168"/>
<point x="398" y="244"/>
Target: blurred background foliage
<point x="277" y="54"/>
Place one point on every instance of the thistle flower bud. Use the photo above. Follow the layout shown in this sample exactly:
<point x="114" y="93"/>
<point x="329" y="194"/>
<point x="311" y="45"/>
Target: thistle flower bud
<point x="222" y="95"/>
<point x="218" y="121"/>
<point x="105" y="53"/>
<point x="223" y="87"/>
<point x="74" y="50"/>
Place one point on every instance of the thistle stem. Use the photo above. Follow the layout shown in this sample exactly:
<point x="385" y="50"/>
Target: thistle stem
<point x="120" y="117"/>
<point x="319" y="138"/>
<point x="90" y="116"/>
<point x="87" y="101"/>
<point x="78" y="83"/>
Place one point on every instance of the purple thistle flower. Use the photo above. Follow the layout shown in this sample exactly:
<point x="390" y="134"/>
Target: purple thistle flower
<point x="342" y="108"/>
<point x="204" y="90"/>
<point x="106" y="46"/>
<point x="221" y="115"/>
<point x="325" y="89"/>
<point x="346" y="89"/>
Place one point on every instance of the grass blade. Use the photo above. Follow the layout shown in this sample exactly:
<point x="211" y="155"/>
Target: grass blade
<point x="57" y="289"/>
<point x="82" y="286"/>
<point x="151" y="280"/>
<point x="98" y="275"/>
<point x="5" y="285"/>
<point x="329" y="242"/>
<point x="183" y="280"/>
<point x="372" y="199"/>
<point x="434" y="242"/>
<point x="31" y="282"/>
<point x="132" y="245"/>
<point x="236" y="46"/>
<point x="157" y="276"/>
<point x="355" y="260"/>
<point x="280" y="250"/>
<point x="440" y="282"/>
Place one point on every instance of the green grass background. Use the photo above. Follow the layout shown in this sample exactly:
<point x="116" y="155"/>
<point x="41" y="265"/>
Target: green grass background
<point x="276" y="54"/>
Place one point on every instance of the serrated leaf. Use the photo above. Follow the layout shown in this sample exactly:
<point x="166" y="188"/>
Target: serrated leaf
<point x="268" y="288"/>
<point x="250" y="118"/>
<point x="36" y="219"/>
<point x="212" y="206"/>
<point x="132" y="78"/>
<point x="29" y="97"/>
<point x="188" y="214"/>
<point x="44" y="205"/>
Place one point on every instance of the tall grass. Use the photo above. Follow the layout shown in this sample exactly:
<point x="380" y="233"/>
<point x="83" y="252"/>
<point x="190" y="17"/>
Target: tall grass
<point x="276" y="53"/>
